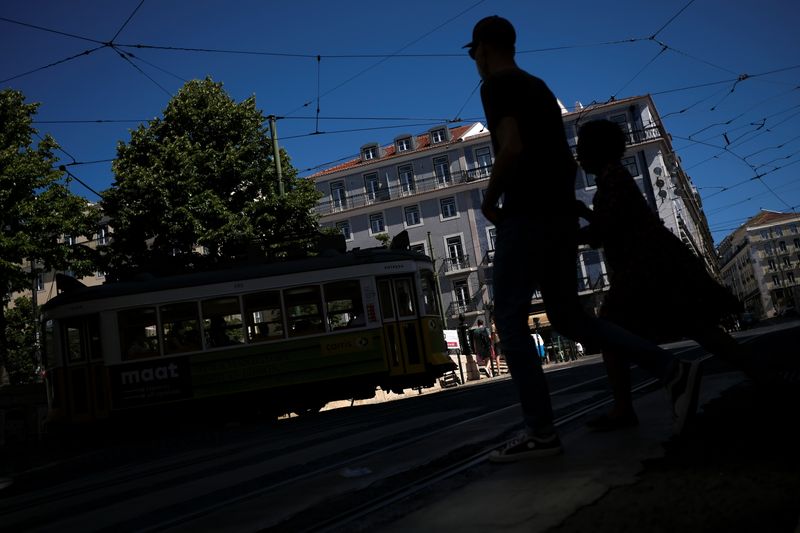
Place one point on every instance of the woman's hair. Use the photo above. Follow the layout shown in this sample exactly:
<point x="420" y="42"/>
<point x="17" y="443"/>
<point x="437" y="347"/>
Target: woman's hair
<point x="603" y="137"/>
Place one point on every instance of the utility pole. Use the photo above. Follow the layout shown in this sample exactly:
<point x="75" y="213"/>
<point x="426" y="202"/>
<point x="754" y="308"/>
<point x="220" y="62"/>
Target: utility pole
<point x="276" y="153"/>
<point x="436" y="280"/>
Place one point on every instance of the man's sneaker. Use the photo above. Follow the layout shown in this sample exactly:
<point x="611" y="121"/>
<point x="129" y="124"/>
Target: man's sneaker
<point x="527" y="447"/>
<point x="683" y="389"/>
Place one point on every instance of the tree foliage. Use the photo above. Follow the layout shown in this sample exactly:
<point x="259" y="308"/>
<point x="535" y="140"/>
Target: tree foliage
<point x="36" y="207"/>
<point x="202" y="175"/>
<point x="21" y="342"/>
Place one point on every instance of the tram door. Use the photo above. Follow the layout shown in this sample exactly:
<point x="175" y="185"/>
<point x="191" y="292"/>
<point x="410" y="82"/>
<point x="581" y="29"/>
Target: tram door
<point x="85" y="374"/>
<point x="403" y="346"/>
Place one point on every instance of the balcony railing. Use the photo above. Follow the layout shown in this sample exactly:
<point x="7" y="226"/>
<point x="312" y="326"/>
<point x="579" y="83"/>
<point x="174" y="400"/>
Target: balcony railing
<point x="421" y="185"/>
<point x="461" y="308"/>
<point x="638" y="136"/>
<point x="454" y="264"/>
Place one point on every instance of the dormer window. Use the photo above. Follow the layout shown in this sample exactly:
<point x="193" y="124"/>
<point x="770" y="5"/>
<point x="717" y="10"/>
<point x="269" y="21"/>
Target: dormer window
<point x="369" y="152"/>
<point x="438" y="135"/>
<point x="403" y="144"/>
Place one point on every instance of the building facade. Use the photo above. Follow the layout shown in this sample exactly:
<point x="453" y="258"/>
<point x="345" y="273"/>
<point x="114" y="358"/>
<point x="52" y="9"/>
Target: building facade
<point x="760" y="263"/>
<point x="432" y="186"/>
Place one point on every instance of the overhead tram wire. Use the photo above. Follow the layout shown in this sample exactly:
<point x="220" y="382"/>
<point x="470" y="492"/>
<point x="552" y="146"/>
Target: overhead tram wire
<point x="667" y="23"/>
<point x="53" y="64"/>
<point x="63" y="168"/>
<point x="360" y="73"/>
<point x="124" y="56"/>
<point x="312" y="134"/>
<point x="49" y="30"/>
<point x="126" y="21"/>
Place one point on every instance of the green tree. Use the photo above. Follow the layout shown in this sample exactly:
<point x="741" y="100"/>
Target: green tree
<point x="36" y="208"/>
<point x="19" y="334"/>
<point x="202" y="175"/>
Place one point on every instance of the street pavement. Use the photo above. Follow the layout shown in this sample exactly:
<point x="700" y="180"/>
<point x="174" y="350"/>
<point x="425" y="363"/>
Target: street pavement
<point x="736" y="468"/>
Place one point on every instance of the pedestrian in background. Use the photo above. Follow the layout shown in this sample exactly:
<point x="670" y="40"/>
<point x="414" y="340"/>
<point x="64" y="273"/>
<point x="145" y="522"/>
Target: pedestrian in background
<point x="481" y="339"/>
<point x="533" y="165"/>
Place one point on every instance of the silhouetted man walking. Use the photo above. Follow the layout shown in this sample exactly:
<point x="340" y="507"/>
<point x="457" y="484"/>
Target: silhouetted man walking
<point x="531" y="200"/>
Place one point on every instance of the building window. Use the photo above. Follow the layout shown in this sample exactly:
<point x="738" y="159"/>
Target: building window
<point x="483" y="157"/>
<point x="371" y="186"/>
<point x="776" y="280"/>
<point x="404" y="144"/>
<point x="406" y="175"/>
<point x="39" y="281"/>
<point x="797" y="243"/>
<point x="102" y="235"/>
<point x="764" y="234"/>
<point x="448" y="206"/>
<point x="344" y="229"/>
<point x="455" y="252"/>
<point x="69" y="240"/>
<point x="787" y="262"/>
<point x="411" y="215"/>
<point x="492" y="232"/>
<point x="369" y="153"/>
<point x="99" y="274"/>
<point x="778" y="231"/>
<point x="461" y="294"/>
<point x="338" y="198"/>
<point x="793" y="228"/>
<point x="376" y="224"/>
<point x="589" y="180"/>
<point x="782" y="246"/>
<point x="768" y="248"/>
<point x="441" y="168"/>
<point x="790" y="277"/>
<point x="438" y="136"/>
<point x="771" y="264"/>
<point x="630" y="165"/>
<point x="622" y="122"/>
<point x="418" y="247"/>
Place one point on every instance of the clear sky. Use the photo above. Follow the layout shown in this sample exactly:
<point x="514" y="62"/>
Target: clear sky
<point x="387" y="68"/>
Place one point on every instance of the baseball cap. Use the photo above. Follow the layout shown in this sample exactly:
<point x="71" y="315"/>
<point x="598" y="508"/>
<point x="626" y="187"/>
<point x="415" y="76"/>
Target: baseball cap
<point x="494" y="29"/>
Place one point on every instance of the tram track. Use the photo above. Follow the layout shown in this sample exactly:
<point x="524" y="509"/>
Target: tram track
<point x="189" y="488"/>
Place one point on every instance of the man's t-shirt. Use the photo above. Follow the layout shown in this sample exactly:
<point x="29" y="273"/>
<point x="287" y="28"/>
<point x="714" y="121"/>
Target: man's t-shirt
<point x="545" y="180"/>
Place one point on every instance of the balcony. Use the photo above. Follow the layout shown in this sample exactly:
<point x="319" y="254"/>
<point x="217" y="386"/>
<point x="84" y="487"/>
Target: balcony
<point x="461" y="308"/>
<point x="638" y="136"/>
<point x="456" y="264"/>
<point x="421" y="185"/>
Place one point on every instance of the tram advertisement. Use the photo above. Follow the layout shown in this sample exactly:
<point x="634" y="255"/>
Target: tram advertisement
<point x="152" y="381"/>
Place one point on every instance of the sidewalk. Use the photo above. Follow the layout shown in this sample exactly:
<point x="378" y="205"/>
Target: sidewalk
<point x="732" y="470"/>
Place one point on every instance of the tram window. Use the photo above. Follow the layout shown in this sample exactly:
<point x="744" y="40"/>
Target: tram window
<point x="303" y="310"/>
<point x="74" y="350"/>
<point x="222" y="322"/>
<point x="385" y="295"/>
<point x="405" y="297"/>
<point x="429" y="299"/>
<point x="138" y="334"/>
<point x="264" y="316"/>
<point x="344" y="305"/>
<point x="49" y="345"/>
<point x="180" y="327"/>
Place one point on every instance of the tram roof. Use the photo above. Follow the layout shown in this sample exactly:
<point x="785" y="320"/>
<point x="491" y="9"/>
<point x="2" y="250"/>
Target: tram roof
<point x="245" y="271"/>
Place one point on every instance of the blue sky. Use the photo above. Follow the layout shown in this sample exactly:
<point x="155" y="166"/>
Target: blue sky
<point x="412" y="73"/>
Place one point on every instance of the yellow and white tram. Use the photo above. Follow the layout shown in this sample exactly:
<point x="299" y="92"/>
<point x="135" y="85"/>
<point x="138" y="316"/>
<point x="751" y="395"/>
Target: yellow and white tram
<point x="289" y="336"/>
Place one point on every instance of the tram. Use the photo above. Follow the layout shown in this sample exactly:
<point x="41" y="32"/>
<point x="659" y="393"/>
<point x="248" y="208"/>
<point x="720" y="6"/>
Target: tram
<point x="286" y="336"/>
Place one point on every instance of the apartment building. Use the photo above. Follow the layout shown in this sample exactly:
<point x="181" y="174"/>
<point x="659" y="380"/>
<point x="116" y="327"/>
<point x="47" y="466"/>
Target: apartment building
<point x="760" y="263"/>
<point x="432" y="185"/>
